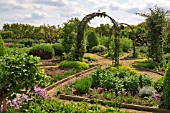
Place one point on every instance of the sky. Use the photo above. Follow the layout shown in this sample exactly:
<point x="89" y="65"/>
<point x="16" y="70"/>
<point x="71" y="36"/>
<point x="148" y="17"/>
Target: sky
<point x="56" y="12"/>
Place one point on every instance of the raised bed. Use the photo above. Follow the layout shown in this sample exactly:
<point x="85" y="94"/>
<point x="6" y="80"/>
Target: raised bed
<point x="69" y="78"/>
<point x="123" y="105"/>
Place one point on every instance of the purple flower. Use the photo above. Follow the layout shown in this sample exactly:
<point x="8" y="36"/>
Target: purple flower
<point x="8" y="102"/>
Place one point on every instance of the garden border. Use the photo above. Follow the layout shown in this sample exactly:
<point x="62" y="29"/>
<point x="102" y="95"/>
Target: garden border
<point x="103" y="102"/>
<point x="69" y="77"/>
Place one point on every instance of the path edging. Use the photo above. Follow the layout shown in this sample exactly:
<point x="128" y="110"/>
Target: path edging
<point x="124" y="105"/>
<point x="68" y="78"/>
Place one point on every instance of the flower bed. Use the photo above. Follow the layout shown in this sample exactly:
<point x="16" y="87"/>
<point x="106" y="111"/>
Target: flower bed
<point x="119" y="85"/>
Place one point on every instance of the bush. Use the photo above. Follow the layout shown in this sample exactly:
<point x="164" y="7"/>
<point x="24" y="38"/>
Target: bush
<point x="43" y="51"/>
<point x="99" y="48"/>
<point x="147" y="91"/>
<point x="27" y="42"/>
<point x="92" y="40"/>
<point x="74" y="64"/>
<point x="95" y="49"/>
<point x="88" y="57"/>
<point x="83" y="85"/>
<point x="121" y="78"/>
<point x="2" y="47"/>
<point x="166" y="88"/>
<point x="22" y="72"/>
<point x="158" y="85"/>
<point x="126" y="44"/>
<point x="58" y="49"/>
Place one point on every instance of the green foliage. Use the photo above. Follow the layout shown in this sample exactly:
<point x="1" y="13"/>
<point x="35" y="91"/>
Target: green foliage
<point x="27" y="42"/>
<point x="2" y="47"/>
<point x="147" y="91"/>
<point x="147" y="64"/>
<point x="88" y="57"/>
<point x="155" y="23"/>
<point x="83" y="85"/>
<point x="58" y="49"/>
<point x="125" y="44"/>
<point x="53" y="106"/>
<point x="44" y="51"/>
<point x="121" y="78"/>
<point x="158" y="84"/>
<point x="166" y="89"/>
<point x="92" y="40"/>
<point x="68" y="34"/>
<point x="74" y="64"/>
<point x="20" y="71"/>
<point x="99" y="48"/>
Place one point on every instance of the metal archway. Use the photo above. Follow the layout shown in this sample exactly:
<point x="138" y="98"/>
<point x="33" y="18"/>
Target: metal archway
<point x="79" y="49"/>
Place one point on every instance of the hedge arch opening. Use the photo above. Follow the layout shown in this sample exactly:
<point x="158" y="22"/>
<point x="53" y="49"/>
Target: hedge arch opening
<point x="80" y="47"/>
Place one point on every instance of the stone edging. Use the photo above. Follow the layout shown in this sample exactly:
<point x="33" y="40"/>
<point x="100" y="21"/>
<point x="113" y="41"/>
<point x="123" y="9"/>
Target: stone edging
<point x="68" y="78"/>
<point x="147" y="69"/>
<point x="124" y="105"/>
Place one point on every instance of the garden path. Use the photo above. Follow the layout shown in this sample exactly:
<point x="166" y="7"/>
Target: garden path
<point x="105" y="62"/>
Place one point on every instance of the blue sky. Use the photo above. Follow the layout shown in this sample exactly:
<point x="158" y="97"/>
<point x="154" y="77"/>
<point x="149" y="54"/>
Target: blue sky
<point x="56" y="12"/>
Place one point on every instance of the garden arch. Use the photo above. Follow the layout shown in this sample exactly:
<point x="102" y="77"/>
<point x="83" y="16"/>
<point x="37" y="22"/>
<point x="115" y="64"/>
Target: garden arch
<point x="79" y="49"/>
<point x="133" y="37"/>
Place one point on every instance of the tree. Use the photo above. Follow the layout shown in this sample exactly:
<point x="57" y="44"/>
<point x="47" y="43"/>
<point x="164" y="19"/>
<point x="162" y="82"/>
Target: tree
<point x="92" y="40"/>
<point x="2" y="47"/>
<point x="68" y="34"/>
<point x="155" y="23"/>
<point x="166" y="89"/>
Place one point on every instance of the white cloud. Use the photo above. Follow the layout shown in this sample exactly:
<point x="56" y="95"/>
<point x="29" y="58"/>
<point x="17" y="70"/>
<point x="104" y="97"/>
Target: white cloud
<point x="58" y="11"/>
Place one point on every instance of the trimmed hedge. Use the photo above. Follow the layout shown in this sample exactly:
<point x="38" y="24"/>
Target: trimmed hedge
<point x="44" y="51"/>
<point x="73" y="64"/>
<point x="58" y="49"/>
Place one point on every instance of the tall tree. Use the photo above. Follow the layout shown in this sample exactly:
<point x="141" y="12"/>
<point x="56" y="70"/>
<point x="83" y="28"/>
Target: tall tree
<point x="155" y="23"/>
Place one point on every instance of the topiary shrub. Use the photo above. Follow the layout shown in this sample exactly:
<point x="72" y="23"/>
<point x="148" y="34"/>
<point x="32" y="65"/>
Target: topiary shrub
<point x="74" y="64"/>
<point x="58" y="49"/>
<point x="43" y="51"/>
<point x="92" y="40"/>
<point x="2" y="47"/>
<point x="83" y="85"/>
<point x="166" y="89"/>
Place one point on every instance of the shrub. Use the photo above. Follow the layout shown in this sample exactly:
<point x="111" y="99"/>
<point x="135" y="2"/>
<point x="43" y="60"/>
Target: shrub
<point x="166" y="88"/>
<point x="88" y="57"/>
<point x="44" y="51"/>
<point x="99" y="48"/>
<point x="58" y="49"/>
<point x="27" y="42"/>
<point x="83" y="85"/>
<point x="2" y="47"/>
<point x="95" y="49"/>
<point x="74" y="64"/>
<point x="145" y="80"/>
<point x="92" y="40"/>
<point x="22" y="72"/>
<point x="158" y="85"/>
<point x="147" y="91"/>
<point x="126" y="44"/>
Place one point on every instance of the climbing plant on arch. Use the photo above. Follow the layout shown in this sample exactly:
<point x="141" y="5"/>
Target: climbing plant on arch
<point x="79" y="49"/>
